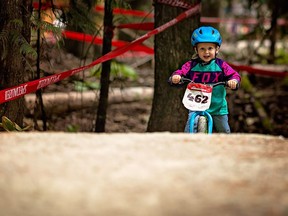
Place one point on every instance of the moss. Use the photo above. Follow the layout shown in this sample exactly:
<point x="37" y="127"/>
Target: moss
<point x="267" y="124"/>
<point x="284" y="82"/>
<point x="282" y="57"/>
<point x="265" y="121"/>
<point x="246" y="84"/>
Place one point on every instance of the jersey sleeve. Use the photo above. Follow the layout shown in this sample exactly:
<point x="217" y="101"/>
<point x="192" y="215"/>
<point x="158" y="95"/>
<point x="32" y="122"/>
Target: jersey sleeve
<point x="185" y="68"/>
<point x="230" y="73"/>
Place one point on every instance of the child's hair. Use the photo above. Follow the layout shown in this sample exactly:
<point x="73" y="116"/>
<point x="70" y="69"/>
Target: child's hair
<point x="194" y="56"/>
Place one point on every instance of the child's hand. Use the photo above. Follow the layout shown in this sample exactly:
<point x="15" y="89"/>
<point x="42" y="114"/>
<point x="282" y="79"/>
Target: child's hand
<point x="232" y="83"/>
<point x="176" y="79"/>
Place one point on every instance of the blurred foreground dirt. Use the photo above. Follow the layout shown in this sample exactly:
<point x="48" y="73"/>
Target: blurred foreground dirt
<point x="142" y="174"/>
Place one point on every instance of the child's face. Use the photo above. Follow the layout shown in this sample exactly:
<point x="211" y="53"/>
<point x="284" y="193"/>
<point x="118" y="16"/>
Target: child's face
<point x="207" y="51"/>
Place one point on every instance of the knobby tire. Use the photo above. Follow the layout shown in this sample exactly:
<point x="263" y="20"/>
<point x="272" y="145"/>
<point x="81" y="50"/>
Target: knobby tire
<point x="202" y="126"/>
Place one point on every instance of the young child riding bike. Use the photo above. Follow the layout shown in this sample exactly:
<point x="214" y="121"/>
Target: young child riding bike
<point x="206" y="68"/>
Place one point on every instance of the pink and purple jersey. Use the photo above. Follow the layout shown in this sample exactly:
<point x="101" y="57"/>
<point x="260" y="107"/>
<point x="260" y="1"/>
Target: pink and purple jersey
<point x="215" y="71"/>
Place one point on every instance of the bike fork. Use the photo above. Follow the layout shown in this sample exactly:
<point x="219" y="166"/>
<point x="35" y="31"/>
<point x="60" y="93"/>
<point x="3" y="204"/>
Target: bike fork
<point x="201" y="113"/>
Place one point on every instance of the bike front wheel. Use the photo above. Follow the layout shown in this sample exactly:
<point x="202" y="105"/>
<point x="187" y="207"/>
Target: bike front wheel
<point x="202" y="126"/>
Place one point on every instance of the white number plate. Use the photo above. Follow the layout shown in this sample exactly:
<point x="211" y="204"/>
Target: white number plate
<point x="197" y="97"/>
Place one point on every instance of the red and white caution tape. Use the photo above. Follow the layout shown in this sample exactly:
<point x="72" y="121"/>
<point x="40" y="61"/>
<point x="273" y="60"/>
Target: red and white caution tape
<point x="97" y="40"/>
<point x="173" y="3"/>
<point x="247" y="21"/>
<point x="138" y="26"/>
<point x="121" y="11"/>
<point x="258" y="71"/>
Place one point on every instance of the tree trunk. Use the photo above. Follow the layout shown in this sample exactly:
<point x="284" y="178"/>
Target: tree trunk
<point x="211" y="8"/>
<point x="105" y="74"/>
<point x="172" y="49"/>
<point x="12" y="63"/>
<point x="273" y="32"/>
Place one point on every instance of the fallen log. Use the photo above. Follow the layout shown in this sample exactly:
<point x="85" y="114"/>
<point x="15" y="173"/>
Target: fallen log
<point x="60" y="102"/>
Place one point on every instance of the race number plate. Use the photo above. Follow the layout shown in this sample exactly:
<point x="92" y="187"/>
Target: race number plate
<point x="197" y="97"/>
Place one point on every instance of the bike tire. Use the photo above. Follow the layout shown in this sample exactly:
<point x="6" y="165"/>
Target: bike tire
<point x="202" y="125"/>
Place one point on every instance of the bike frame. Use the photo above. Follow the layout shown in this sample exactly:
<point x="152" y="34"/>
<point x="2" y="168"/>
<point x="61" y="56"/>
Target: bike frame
<point x="201" y="113"/>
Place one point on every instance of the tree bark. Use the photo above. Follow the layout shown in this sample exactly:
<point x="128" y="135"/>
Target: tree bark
<point x="273" y="32"/>
<point x="211" y="8"/>
<point x="12" y="62"/>
<point x="172" y="49"/>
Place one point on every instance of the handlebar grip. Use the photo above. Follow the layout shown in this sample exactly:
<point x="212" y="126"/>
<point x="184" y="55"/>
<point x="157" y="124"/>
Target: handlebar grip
<point x="237" y="87"/>
<point x="220" y="83"/>
<point x="183" y="80"/>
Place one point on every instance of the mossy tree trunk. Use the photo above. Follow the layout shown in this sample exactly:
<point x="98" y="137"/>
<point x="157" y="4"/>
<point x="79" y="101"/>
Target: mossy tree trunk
<point x="14" y="23"/>
<point x="172" y="49"/>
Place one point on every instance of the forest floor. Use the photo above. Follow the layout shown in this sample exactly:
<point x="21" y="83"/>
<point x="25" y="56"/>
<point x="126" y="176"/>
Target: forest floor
<point x="133" y="116"/>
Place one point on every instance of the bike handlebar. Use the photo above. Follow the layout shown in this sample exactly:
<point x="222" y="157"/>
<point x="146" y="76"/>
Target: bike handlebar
<point x="185" y="80"/>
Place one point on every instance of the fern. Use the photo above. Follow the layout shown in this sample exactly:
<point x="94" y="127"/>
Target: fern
<point x="78" y="19"/>
<point x="27" y="49"/>
<point x="17" y="23"/>
<point x="46" y="27"/>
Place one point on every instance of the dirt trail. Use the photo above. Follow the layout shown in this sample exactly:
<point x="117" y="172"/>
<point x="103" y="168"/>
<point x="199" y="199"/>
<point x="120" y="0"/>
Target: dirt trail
<point x="142" y="174"/>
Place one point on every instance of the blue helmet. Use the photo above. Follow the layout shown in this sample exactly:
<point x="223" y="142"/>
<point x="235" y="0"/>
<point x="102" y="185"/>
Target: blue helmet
<point x="206" y="34"/>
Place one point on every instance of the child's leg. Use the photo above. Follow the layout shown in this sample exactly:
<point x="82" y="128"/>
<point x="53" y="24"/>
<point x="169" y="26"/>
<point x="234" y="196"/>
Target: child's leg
<point x="187" y="127"/>
<point x="221" y="123"/>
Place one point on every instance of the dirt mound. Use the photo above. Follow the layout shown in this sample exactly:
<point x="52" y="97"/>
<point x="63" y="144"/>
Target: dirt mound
<point x="142" y="174"/>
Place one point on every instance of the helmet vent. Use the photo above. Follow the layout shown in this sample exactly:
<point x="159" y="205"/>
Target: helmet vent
<point x="200" y="31"/>
<point x="213" y="31"/>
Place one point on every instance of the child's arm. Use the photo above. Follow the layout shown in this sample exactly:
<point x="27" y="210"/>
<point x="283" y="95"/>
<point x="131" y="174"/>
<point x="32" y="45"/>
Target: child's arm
<point x="176" y="75"/>
<point x="233" y="76"/>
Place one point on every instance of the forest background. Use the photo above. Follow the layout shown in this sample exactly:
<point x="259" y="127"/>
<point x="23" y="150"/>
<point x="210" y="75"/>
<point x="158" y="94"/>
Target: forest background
<point x="33" y="46"/>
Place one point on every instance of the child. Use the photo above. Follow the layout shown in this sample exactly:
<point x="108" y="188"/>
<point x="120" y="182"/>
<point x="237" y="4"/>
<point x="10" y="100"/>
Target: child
<point x="206" y="68"/>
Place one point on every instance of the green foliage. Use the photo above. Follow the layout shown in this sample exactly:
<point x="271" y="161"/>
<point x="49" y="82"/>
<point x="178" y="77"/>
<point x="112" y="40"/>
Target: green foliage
<point x="118" y="71"/>
<point x="8" y="125"/>
<point x="14" y="38"/>
<point x="26" y="48"/>
<point x="282" y="57"/>
<point x="86" y="85"/>
<point x="72" y="128"/>
<point x="122" y="71"/>
<point x="79" y="17"/>
<point x="18" y="39"/>
<point x="246" y="84"/>
<point x="44" y="26"/>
